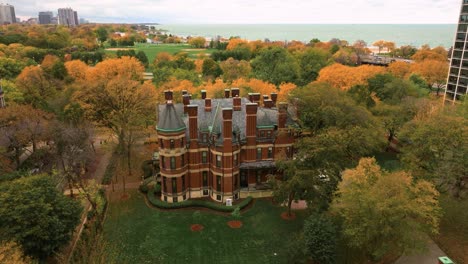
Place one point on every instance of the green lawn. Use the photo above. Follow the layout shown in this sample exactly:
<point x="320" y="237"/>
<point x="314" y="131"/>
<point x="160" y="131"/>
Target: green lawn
<point x="139" y="234"/>
<point x="151" y="50"/>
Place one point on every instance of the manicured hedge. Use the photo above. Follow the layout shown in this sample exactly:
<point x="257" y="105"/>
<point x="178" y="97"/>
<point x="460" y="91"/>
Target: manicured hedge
<point x="197" y="203"/>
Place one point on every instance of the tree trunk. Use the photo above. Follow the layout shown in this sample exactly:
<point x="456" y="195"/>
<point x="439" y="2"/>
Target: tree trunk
<point x="34" y="145"/>
<point x="17" y="157"/>
<point x="391" y="136"/>
<point x="69" y="180"/>
<point x="129" y="162"/>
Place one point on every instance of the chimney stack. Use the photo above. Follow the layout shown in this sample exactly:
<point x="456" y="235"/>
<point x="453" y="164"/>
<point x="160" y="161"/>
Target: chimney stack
<point x="268" y="103"/>
<point x="274" y="98"/>
<point x="184" y="92"/>
<point x="256" y="97"/>
<point x="236" y="103"/>
<point x="235" y="92"/>
<point x="282" y="114"/>
<point x="203" y="94"/>
<point x="227" y="93"/>
<point x="251" y="131"/>
<point x="168" y="96"/>
<point x="208" y="105"/>
<point x="192" y="111"/>
<point x="186" y="101"/>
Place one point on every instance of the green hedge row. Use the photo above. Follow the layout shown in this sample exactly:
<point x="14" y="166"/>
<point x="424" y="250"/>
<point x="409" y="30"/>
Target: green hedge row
<point x="197" y="203"/>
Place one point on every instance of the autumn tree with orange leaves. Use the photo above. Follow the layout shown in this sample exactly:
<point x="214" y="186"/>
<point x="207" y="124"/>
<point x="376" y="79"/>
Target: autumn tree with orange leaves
<point x="115" y="97"/>
<point x="433" y="71"/>
<point x="344" y="77"/>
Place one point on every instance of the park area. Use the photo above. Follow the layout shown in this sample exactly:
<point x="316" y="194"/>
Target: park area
<point x="151" y="50"/>
<point x="137" y="233"/>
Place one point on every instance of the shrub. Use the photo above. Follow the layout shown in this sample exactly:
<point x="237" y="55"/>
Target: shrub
<point x="143" y="188"/>
<point x="197" y="203"/>
<point x="157" y="189"/>
<point x="147" y="167"/>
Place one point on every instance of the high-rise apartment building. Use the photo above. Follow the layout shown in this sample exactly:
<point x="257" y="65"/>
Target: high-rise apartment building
<point x="45" y="17"/>
<point x="67" y="17"/>
<point x="457" y="83"/>
<point x="7" y="14"/>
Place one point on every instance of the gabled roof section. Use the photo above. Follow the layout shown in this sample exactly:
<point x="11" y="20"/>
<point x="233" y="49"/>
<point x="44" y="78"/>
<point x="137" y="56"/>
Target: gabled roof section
<point x="170" y="119"/>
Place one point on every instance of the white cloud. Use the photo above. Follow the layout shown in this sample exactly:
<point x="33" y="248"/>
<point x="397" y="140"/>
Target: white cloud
<point x="253" y="11"/>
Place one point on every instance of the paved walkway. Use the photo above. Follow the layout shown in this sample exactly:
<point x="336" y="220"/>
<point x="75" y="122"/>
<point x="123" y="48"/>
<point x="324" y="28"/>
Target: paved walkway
<point x="429" y="257"/>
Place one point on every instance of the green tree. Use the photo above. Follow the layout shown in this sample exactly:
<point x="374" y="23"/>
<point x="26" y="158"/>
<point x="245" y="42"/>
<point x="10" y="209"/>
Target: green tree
<point x="10" y="68"/>
<point x="320" y="237"/>
<point x="101" y="34"/>
<point x="211" y="68"/>
<point x="36" y="215"/>
<point x="141" y="56"/>
<point x="435" y="149"/>
<point x="275" y="65"/>
<point x="311" y="61"/>
<point x="385" y="213"/>
<point x="197" y="42"/>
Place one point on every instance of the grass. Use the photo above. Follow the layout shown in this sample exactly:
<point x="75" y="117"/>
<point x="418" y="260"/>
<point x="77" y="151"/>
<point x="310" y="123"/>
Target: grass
<point x="139" y="234"/>
<point x="453" y="237"/>
<point x="151" y="50"/>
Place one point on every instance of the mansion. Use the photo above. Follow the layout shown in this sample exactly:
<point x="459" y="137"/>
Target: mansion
<point x="218" y="147"/>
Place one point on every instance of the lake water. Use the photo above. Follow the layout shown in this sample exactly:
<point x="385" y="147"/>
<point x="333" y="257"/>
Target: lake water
<point x="401" y="34"/>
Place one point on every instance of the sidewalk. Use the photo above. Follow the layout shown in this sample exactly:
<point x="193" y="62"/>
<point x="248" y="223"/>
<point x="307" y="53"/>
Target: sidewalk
<point x="429" y="257"/>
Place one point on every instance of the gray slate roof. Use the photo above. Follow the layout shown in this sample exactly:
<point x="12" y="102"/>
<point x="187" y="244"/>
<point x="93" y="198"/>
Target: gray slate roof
<point x="172" y="117"/>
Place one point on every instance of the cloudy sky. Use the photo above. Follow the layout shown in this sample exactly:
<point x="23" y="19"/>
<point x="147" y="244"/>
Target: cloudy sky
<point x="252" y="11"/>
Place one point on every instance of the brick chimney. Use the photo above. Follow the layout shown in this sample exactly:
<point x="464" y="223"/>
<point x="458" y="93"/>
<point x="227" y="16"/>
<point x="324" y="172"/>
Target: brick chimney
<point x="184" y="92"/>
<point x="208" y="105"/>
<point x="265" y="97"/>
<point x="235" y="92"/>
<point x="203" y="94"/>
<point x="236" y="103"/>
<point x="251" y="131"/>
<point x="186" y="101"/>
<point x="274" y="98"/>
<point x="192" y="111"/>
<point x="227" y="124"/>
<point x="168" y="96"/>
<point x="227" y="93"/>
<point x="282" y="114"/>
<point x="268" y="103"/>
<point x="256" y="97"/>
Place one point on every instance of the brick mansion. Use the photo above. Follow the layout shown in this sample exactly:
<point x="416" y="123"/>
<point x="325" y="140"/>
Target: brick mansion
<point x="218" y="147"/>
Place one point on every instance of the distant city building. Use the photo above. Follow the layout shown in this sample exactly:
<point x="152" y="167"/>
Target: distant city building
<point x="457" y="83"/>
<point x="84" y="21"/>
<point x="45" y="18"/>
<point x="67" y="17"/>
<point x="54" y="21"/>
<point x="7" y="14"/>
<point x="32" y="21"/>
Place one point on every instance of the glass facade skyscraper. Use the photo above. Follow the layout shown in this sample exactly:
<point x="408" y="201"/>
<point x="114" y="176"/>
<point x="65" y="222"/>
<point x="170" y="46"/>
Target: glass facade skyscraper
<point x="457" y="82"/>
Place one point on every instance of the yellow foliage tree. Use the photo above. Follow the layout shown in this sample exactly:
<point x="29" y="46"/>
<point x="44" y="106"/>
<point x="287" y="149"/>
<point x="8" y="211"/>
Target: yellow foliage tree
<point x="344" y="77"/>
<point x="433" y="71"/>
<point x="235" y="42"/>
<point x="76" y="69"/>
<point x="399" y="69"/>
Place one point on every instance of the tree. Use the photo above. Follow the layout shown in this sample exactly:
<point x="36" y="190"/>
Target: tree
<point x="433" y="71"/>
<point x="10" y="252"/>
<point x="399" y="69"/>
<point x="385" y="213"/>
<point x="115" y="98"/>
<point x="197" y="42"/>
<point x="10" y="68"/>
<point x="21" y="125"/>
<point x="36" y="215"/>
<point x="311" y="61"/>
<point x="211" y="68"/>
<point x="141" y="56"/>
<point x="392" y="90"/>
<point x="320" y="237"/>
<point x="360" y="46"/>
<point x="275" y="65"/>
<point x="344" y="77"/>
<point x="101" y="34"/>
<point x="234" y="69"/>
<point x="380" y="44"/>
<point x="76" y="69"/>
<point x="34" y="85"/>
<point x="436" y="149"/>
